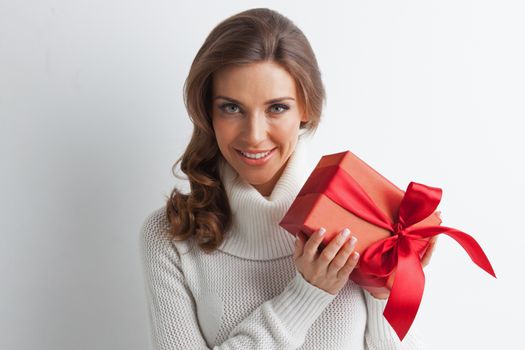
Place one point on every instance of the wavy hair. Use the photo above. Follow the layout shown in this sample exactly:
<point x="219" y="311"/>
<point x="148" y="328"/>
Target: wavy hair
<point x="251" y="36"/>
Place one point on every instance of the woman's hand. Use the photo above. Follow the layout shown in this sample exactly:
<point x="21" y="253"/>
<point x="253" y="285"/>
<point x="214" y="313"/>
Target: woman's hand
<point x="424" y="262"/>
<point x="331" y="268"/>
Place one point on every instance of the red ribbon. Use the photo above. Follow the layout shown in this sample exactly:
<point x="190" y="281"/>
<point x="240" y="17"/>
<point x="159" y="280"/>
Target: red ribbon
<point x="401" y="251"/>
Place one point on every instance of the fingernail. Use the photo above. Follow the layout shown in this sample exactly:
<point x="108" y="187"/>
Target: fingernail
<point x="322" y="231"/>
<point x="355" y="256"/>
<point x="346" y="232"/>
<point x="353" y="240"/>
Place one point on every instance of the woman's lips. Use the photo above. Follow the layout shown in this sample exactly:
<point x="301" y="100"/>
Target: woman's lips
<point x="254" y="151"/>
<point x="253" y="161"/>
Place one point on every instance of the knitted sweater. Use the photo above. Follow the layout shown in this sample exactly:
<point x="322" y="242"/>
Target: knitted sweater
<point x="248" y="294"/>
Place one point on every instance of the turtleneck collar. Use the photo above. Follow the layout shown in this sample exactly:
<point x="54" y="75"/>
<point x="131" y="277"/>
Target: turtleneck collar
<point x="255" y="233"/>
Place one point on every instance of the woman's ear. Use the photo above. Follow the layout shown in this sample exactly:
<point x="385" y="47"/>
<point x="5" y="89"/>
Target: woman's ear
<point x="304" y="118"/>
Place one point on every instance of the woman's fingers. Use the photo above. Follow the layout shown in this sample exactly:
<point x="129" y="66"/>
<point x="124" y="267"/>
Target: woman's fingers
<point x="299" y="245"/>
<point x="336" y="254"/>
<point x="312" y="244"/>
<point x="330" y="268"/>
<point x="331" y="250"/>
<point x="350" y="265"/>
<point x="430" y="250"/>
<point x="342" y="257"/>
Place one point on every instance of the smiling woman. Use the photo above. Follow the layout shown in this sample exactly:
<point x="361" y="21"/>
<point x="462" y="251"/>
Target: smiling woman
<point x="220" y="271"/>
<point x="246" y="63"/>
<point x="258" y="138"/>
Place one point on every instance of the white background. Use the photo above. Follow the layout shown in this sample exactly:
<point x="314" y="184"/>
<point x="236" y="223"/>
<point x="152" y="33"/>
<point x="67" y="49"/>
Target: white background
<point x="92" y="119"/>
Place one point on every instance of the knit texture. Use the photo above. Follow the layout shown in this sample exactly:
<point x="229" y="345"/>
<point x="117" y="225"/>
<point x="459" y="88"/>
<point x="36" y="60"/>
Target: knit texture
<point x="248" y="294"/>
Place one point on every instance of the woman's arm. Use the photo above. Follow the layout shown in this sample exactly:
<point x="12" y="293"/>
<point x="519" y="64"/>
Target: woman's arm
<point x="379" y="335"/>
<point x="279" y="323"/>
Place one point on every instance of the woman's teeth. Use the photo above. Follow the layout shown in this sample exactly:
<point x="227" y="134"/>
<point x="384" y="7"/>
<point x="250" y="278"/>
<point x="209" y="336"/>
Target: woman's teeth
<point x="256" y="155"/>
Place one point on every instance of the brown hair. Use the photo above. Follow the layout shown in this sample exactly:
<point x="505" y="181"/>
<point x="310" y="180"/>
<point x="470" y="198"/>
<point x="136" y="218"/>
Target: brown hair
<point x="251" y="36"/>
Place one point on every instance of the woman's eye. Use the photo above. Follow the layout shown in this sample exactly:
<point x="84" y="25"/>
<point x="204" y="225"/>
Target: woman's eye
<point x="281" y="107"/>
<point x="232" y="108"/>
<point x="229" y="108"/>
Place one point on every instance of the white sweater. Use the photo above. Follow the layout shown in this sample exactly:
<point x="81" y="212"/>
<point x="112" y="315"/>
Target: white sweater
<point x="249" y="294"/>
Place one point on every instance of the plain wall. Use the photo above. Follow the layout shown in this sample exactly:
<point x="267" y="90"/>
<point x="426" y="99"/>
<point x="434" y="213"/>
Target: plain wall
<point x="92" y="119"/>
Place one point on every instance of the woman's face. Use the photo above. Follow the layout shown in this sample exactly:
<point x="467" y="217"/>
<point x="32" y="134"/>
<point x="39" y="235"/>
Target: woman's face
<point x="255" y="109"/>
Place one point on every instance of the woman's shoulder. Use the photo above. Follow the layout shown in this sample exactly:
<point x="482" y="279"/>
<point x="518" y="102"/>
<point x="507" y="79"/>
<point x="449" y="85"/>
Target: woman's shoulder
<point x="155" y="221"/>
<point x="155" y="232"/>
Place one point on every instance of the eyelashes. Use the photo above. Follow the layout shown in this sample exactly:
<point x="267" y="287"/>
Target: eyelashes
<point x="223" y="107"/>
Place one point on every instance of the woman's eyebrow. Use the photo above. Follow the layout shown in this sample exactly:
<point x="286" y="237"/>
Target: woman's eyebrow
<point x="274" y="100"/>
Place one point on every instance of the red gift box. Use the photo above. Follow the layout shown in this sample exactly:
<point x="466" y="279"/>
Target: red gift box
<point x="393" y="228"/>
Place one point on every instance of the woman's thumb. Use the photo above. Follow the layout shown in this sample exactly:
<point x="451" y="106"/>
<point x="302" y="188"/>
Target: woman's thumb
<point x="299" y="245"/>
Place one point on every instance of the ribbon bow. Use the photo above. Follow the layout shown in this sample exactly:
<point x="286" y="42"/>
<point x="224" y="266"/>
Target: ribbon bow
<point x="401" y="251"/>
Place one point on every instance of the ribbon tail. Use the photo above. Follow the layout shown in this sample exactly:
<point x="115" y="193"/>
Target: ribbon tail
<point x="466" y="241"/>
<point x="407" y="290"/>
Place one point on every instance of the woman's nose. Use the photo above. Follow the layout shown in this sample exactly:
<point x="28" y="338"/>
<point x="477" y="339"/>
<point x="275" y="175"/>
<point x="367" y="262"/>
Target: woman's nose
<point x="255" y="128"/>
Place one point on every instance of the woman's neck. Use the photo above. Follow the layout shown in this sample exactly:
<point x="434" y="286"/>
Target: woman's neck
<point x="255" y="232"/>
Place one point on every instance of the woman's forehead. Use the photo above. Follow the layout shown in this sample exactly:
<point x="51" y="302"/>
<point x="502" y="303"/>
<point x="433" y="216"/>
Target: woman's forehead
<point x="263" y="81"/>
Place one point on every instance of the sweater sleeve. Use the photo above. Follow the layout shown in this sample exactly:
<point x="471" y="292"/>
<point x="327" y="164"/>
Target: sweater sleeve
<point x="279" y="323"/>
<point x="379" y="335"/>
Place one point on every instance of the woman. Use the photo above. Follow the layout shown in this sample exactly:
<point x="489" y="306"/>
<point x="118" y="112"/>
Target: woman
<point x="220" y="272"/>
